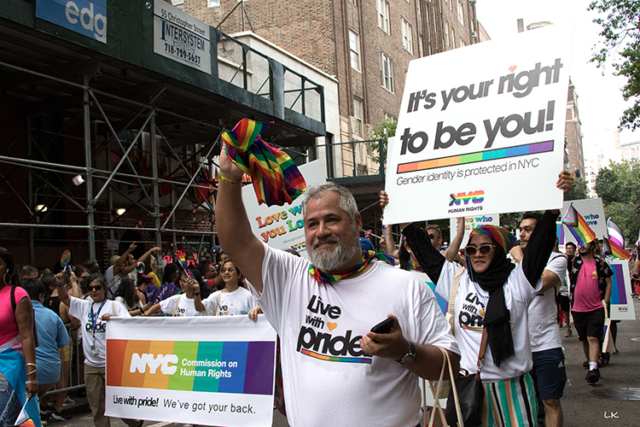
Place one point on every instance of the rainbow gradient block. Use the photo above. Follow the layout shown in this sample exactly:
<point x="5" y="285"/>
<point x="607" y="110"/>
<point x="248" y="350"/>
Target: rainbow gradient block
<point x="480" y="156"/>
<point x="247" y="369"/>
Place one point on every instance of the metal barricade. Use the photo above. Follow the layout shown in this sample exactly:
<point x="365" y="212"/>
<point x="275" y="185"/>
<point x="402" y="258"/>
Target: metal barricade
<point x="75" y="375"/>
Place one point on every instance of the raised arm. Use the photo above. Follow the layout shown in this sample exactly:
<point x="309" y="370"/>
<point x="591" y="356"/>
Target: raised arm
<point x="63" y="295"/>
<point x="234" y="229"/>
<point x="143" y="258"/>
<point x="118" y="265"/>
<point x="428" y="257"/>
<point x="451" y="253"/>
<point x="543" y="237"/>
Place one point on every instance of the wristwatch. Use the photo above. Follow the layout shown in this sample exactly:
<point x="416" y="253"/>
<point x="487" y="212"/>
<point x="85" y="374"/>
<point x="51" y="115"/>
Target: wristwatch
<point x="408" y="358"/>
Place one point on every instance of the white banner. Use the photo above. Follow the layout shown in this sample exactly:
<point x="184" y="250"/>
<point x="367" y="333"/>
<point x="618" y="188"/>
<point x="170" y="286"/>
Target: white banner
<point x="471" y="222"/>
<point x="282" y="227"/>
<point x="181" y="37"/>
<point x="481" y="129"/>
<point x="199" y="370"/>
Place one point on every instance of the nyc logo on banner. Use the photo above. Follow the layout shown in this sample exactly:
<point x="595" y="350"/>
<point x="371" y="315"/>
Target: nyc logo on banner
<point x="226" y="380"/>
<point x="86" y="17"/>
<point x="467" y="141"/>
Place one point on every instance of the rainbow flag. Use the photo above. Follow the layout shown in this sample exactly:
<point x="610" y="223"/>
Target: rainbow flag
<point x="276" y="178"/>
<point x="610" y="247"/>
<point x="578" y="226"/>
<point x="560" y="233"/>
<point x="24" y="419"/>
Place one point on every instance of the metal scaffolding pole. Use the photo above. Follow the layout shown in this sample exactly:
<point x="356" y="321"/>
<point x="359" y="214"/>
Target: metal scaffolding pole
<point x="86" y="108"/>
<point x="32" y="231"/>
<point x="154" y="168"/>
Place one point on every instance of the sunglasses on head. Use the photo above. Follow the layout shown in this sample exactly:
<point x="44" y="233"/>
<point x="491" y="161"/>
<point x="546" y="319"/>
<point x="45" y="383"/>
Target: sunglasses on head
<point x="96" y="287"/>
<point x="483" y="249"/>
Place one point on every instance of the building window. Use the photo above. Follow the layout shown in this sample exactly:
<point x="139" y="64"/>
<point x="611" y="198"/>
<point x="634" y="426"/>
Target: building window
<point x="354" y="46"/>
<point x="446" y="35"/>
<point x="213" y="3"/>
<point x="451" y="4"/>
<point x="177" y="2"/>
<point x="407" y="38"/>
<point x="462" y="43"/>
<point x="383" y="15"/>
<point x="386" y="72"/>
<point x="357" y="113"/>
<point x="460" y="13"/>
<point x="453" y="38"/>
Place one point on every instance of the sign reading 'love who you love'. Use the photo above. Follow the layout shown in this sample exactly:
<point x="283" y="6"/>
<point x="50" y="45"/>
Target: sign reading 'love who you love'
<point x="487" y="138"/>
<point x="203" y="370"/>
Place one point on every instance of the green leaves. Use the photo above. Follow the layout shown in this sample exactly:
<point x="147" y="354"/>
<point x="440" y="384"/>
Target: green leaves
<point x="619" y="188"/>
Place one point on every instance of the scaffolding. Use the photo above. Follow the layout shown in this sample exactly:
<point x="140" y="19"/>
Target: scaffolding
<point x="89" y="121"/>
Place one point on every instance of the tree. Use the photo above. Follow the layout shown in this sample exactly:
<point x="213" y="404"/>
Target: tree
<point x="383" y="130"/>
<point x="579" y="190"/>
<point x="621" y="33"/>
<point x="619" y="187"/>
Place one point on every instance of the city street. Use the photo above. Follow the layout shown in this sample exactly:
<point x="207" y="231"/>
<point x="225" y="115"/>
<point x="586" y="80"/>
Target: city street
<point x="583" y="404"/>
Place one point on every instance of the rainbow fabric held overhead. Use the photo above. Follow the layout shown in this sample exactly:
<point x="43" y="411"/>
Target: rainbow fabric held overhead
<point x="185" y="267"/>
<point x="610" y="247"/>
<point x="276" y="178"/>
<point x="65" y="259"/>
<point x="578" y="226"/>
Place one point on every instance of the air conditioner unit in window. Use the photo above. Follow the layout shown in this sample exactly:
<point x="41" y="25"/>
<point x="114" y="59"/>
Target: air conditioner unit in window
<point x="474" y="34"/>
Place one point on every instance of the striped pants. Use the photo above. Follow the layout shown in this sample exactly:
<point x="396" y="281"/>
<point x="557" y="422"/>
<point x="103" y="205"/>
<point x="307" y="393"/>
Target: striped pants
<point x="510" y="403"/>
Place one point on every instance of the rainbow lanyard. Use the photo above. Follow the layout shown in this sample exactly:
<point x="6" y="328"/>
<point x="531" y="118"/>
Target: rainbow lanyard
<point x="415" y="266"/>
<point x="322" y="276"/>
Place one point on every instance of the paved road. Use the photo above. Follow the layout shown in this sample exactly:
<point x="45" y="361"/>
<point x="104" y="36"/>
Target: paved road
<point x="580" y="407"/>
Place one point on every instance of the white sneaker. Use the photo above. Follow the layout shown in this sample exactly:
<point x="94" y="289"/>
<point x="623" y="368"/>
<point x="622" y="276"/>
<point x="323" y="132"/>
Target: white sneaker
<point x="68" y="402"/>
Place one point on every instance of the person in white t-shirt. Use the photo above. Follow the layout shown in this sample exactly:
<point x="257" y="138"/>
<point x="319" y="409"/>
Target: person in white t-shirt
<point x="548" y="373"/>
<point x="94" y="315"/>
<point x="185" y="304"/>
<point x="492" y="299"/>
<point x="233" y="300"/>
<point x="335" y="371"/>
<point x="124" y="266"/>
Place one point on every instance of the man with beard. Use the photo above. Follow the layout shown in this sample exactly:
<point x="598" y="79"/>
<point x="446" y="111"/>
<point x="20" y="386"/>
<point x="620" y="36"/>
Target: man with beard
<point x="335" y="371"/>
<point x="590" y="277"/>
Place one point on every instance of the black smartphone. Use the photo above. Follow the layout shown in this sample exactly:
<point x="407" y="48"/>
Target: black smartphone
<point x="383" y="327"/>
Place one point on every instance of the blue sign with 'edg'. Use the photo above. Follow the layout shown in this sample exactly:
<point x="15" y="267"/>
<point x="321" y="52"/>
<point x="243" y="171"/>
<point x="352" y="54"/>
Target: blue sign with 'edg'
<point x="85" y="17"/>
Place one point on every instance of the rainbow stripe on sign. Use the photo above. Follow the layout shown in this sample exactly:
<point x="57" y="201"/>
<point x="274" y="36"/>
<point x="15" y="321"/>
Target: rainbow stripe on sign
<point x="480" y="156"/>
<point x="214" y="367"/>
<point x="618" y="294"/>
<point x="336" y="359"/>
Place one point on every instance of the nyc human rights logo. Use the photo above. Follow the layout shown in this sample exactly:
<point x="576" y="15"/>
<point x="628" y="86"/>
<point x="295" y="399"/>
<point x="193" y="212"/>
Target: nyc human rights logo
<point x="459" y="202"/>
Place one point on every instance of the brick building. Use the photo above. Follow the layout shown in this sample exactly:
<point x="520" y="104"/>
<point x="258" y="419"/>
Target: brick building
<point x="366" y="44"/>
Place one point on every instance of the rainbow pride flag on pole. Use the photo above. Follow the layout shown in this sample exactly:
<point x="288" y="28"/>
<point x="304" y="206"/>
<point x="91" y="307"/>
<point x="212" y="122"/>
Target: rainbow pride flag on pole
<point x="578" y="226"/>
<point x="24" y="419"/>
<point x="276" y="178"/>
<point x="610" y="247"/>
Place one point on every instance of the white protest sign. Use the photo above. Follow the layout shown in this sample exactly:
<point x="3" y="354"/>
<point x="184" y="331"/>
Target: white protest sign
<point x="199" y="370"/>
<point x="282" y="227"/>
<point x="488" y="137"/>
<point x="181" y="37"/>
<point x="471" y="222"/>
<point x="592" y="211"/>
<point x="621" y="299"/>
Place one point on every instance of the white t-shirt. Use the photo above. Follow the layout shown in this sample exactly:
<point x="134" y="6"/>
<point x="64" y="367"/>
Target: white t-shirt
<point x="238" y="302"/>
<point x="81" y="310"/>
<point x="113" y="280"/>
<point x="543" y="311"/>
<point x="185" y="306"/>
<point x="328" y="380"/>
<point x="471" y="302"/>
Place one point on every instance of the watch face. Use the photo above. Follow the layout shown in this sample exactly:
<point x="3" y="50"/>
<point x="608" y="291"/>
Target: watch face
<point x="408" y="358"/>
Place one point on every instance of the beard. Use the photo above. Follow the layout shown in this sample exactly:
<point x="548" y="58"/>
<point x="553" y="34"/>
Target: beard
<point x="330" y="259"/>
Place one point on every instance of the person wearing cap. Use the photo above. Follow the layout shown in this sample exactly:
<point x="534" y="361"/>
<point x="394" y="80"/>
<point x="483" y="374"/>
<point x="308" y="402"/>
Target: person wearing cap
<point x="491" y="306"/>
<point x="122" y="266"/>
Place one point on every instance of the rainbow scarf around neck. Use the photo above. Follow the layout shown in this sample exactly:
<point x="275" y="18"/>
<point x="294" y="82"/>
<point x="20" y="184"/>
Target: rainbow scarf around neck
<point x="328" y="277"/>
<point x="415" y="266"/>
<point x="276" y="178"/>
